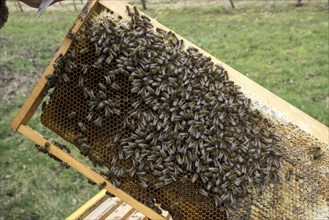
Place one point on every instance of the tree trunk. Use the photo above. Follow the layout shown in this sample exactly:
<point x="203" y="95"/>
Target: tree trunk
<point x="144" y="4"/>
<point x="20" y="6"/>
<point x="232" y="4"/>
<point x="299" y="3"/>
<point x="75" y="6"/>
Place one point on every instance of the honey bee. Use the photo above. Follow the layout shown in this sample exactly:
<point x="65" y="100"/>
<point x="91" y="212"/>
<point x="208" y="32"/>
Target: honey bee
<point x="54" y="158"/>
<point x="116" y="182"/>
<point x="204" y="192"/>
<point x="44" y="105"/>
<point x="47" y="145"/>
<point x="94" y="38"/>
<point x="115" y="86"/>
<point x="157" y="210"/>
<point x="109" y="194"/>
<point x="62" y="147"/>
<point x="102" y="185"/>
<point x="82" y="127"/>
<point x="159" y="185"/>
<point x="91" y="95"/>
<point x="91" y="182"/>
<point x="65" y="165"/>
<point x="318" y="155"/>
<point x="314" y="149"/>
<point x="99" y="61"/>
<point x="72" y="115"/>
<point x="85" y="68"/>
<point x="98" y="160"/>
<point x="84" y="50"/>
<point x="108" y="79"/>
<point x="143" y="184"/>
<point x="102" y="95"/>
<point x="101" y="40"/>
<point x="85" y="148"/>
<point x="128" y="11"/>
<point x="59" y="58"/>
<point x="72" y="36"/>
<point x="82" y="140"/>
<point x="116" y="111"/>
<point x="41" y="149"/>
<point x="289" y="174"/>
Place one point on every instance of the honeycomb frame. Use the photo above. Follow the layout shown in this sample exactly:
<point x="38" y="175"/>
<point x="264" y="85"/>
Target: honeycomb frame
<point x="251" y="89"/>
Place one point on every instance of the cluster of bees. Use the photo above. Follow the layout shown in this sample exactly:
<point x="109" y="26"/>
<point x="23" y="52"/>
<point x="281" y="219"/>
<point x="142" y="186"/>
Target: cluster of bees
<point x="44" y="149"/>
<point x="316" y="152"/>
<point x="188" y="121"/>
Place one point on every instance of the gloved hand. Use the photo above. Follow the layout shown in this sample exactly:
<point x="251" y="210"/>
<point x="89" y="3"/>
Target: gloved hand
<point x="36" y="3"/>
<point x="42" y="5"/>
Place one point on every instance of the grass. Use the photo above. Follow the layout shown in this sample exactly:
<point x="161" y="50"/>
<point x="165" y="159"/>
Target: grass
<point x="283" y="48"/>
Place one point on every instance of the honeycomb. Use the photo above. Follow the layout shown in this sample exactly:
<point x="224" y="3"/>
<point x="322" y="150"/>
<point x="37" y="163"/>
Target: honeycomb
<point x="172" y="129"/>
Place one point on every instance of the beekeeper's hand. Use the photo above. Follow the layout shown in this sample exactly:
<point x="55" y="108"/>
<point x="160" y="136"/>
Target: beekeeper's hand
<point x="36" y="3"/>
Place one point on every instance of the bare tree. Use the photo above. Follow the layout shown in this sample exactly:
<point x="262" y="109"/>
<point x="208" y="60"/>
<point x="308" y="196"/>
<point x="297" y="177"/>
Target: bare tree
<point x="19" y="6"/>
<point x="299" y="3"/>
<point x="226" y="4"/>
<point x="144" y="4"/>
<point x="232" y="3"/>
<point x="75" y="6"/>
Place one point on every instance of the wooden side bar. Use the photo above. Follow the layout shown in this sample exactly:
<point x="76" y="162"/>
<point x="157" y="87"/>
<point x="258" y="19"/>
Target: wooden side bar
<point x="249" y="87"/>
<point x="88" y="172"/>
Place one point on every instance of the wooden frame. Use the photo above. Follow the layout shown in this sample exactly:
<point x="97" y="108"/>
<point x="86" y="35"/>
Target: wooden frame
<point x="102" y="207"/>
<point x="250" y="88"/>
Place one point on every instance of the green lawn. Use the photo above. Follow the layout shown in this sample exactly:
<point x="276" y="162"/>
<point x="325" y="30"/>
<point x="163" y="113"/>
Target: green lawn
<point x="283" y="48"/>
